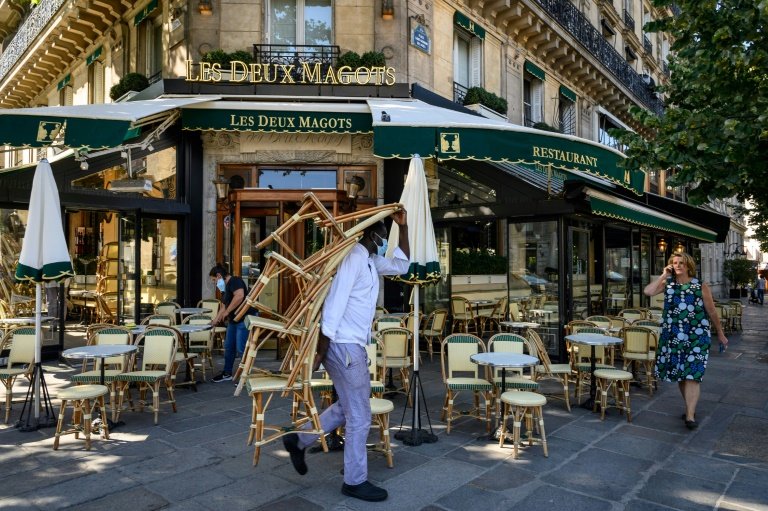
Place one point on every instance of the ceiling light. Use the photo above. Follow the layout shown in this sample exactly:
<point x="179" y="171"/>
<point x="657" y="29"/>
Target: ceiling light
<point x="151" y="148"/>
<point x="83" y="165"/>
<point x="124" y="155"/>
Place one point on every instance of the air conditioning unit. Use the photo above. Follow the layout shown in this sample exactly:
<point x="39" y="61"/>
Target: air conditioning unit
<point x="132" y="185"/>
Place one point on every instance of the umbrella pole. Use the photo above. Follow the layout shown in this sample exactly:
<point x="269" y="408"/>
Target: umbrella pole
<point x="38" y="380"/>
<point x="416" y="436"/>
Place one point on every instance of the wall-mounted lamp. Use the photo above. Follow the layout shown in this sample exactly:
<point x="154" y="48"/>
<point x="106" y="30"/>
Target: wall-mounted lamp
<point x="738" y="250"/>
<point x="662" y="245"/>
<point x="205" y="7"/>
<point x="387" y="9"/>
<point x="679" y="247"/>
<point x="222" y="187"/>
<point x="355" y="183"/>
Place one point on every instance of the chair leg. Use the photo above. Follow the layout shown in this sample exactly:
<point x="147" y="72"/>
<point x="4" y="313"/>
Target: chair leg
<point x="258" y="404"/>
<point x="566" y="392"/>
<point x="503" y="424"/>
<point x="156" y="399"/>
<point x="59" y="424"/>
<point x="8" y="398"/>
<point x="540" y="412"/>
<point x="86" y="421"/>
<point x="104" y="422"/>
<point x="627" y="408"/>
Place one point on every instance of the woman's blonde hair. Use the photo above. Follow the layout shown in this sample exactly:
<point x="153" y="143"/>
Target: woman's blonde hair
<point x="690" y="263"/>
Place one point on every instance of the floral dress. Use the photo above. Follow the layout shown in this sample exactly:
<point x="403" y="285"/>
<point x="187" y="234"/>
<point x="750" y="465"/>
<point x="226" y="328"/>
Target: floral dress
<point x="685" y="334"/>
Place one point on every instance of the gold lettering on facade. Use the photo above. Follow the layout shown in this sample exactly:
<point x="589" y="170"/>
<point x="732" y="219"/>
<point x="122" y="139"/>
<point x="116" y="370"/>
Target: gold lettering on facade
<point x="309" y="73"/>
<point x="567" y="156"/>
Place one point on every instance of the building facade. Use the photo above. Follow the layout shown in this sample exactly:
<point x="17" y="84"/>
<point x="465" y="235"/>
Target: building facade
<point x="535" y="202"/>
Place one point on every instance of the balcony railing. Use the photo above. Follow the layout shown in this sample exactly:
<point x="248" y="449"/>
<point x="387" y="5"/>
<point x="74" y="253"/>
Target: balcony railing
<point x="665" y="67"/>
<point x="629" y="21"/>
<point x="27" y="34"/>
<point x="573" y="21"/>
<point x="295" y="54"/>
<point x="647" y="45"/>
<point x="459" y="93"/>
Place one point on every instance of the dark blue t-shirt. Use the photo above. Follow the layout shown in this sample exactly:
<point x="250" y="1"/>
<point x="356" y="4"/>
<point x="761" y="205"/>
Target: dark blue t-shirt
<point x="233" y="285"/>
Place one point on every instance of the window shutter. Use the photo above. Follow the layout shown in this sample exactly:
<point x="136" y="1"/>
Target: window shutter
<point x="476" y="62"/>
<point x="67" y="97"/>
<point x="537" y="100"/>
<point x="98" y="82"/>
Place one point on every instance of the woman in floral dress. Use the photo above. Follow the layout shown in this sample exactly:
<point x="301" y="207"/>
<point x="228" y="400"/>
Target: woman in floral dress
<point x="688" y="319"/>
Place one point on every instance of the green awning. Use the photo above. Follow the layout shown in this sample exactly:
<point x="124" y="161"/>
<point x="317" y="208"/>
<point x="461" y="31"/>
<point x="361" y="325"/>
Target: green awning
<point x="467" y="24"/>
<point x="146" y="11"/>
<point x="278" y="117"/>
<point x="610" y="206"/>
<point x="413" y="127"/>
<point x="64" y="82"/>
<point x="535" y="70"/>
<point x="85" y="126"/>
<point x="567" y="93"/>
<point x="93" y="56"/>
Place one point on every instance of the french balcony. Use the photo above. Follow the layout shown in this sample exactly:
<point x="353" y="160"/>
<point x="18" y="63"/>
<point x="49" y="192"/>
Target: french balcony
<point x="295" y="55"/>
<point x="647" y="45"/>
<point x="459" y="93"/>
<point x="575" y="23"/>
<point x="629" y="21"/>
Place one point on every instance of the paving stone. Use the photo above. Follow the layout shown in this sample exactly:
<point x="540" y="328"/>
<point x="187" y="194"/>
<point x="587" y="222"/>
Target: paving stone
<point x="503" y="477"/>
<point x="405" y="458"/>
<point x="22" y="482"/>
<point x="161" y="466"/>
<point x="188" y="484"/>
<point x="291" y="504"/>
<point x="599" y="473"/>
<point x="681" y="491"/>
<point x="468" y="497"/>
<point x="702" y="467"/>
<point x="17" y="504"/>
<point x="642" y="448"/>
<point x="533" y="460"/>
<point x="248" y="494"/>
<point x="575" y="434"/>
<point x="746" y="436"/>
<point x="747" y="496"/>
<point x="132" y="499"/>
<point x="484" y="453"/>
<point x="644" y="505"/>
<point x="661" y="436"/>
<point x="79" y="490"/>
<point x="547" y="498"/>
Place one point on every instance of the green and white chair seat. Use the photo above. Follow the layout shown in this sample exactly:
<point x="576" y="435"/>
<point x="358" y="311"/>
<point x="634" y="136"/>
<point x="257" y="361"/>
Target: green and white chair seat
<point x="94" y="376"/>
<point x="469" y="384"/>
<point x="516" y="382"/>
<point x="455" y="363"/>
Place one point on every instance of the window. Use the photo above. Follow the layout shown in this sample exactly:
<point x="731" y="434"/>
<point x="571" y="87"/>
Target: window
<point x="467" y="63"/>
<point x="96" y="82"/>
<point x="296" y="179"/>
<point x="297" y="22"/>
<point x="533" y="100"/>
<point x="66" y="96"/>
<point x="605" y="124"/>
<point x="566" y="115"/>
<point x="150" y="48"/>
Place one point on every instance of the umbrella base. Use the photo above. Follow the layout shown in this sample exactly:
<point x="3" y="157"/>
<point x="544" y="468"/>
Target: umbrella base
<point x="416" y="436"/>
<point x="46" y="418"/>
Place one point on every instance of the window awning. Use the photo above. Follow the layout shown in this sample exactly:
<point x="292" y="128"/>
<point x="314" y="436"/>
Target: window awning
<point x="606" y="205"/>
<point x="402" y="128"/>
<point x="280" y="117"/>
<point x="86" y="126"/>
<point x="535" y="70"/>
<point x="567" y="93"/>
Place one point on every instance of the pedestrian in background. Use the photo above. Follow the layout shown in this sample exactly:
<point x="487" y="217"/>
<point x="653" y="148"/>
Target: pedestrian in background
<point x="689" y="317"/>
<point x="760" y="286"/>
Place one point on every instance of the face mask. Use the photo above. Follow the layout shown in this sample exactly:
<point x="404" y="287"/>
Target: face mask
<point x="221" y="285"/>
<point x="382" y="249"/>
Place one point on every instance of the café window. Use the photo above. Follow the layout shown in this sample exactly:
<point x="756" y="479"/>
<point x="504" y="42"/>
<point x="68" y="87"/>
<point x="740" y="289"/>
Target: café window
<point x="150" y="48"/>
<point x="301" y="22"/>
<point x="467" y="59"/>
<point x="296" y="179"/>
<point x="158" y="168"/>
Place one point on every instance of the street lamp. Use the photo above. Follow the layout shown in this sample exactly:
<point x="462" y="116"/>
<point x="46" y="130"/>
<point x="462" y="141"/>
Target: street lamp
<point x="736" y="250"/>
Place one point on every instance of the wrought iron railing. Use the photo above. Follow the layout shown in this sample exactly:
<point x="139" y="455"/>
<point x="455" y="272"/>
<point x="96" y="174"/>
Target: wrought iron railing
<point x="573" y="21"/>
<point x="629" y="21"/>
<point x="665" y="67"/>
<point x="27" y="33"/>
<point x="295" y="54"/>
<point x="459" y="93"/>
<point x="647" y="45"/>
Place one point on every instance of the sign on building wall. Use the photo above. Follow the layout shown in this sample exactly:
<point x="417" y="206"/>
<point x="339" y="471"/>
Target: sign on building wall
<point x="420" y="36"/>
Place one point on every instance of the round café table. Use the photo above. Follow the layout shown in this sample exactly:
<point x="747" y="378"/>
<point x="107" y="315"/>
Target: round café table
<point x="592" y="340"/>
<point x="503" y="360"/>
<point x="519" y="326"/>
<point x="25" y="320"/>
<point x="186" y="311"/>
<point x="101" y="351"/>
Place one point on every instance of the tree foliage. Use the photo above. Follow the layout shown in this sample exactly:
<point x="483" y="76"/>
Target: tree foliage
<point x="713" y="135"/>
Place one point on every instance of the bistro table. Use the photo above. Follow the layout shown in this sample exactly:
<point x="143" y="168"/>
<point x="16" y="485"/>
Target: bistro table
<point x="519" y="326"/>
<point x="592" y="340"/>
<point x="101" y="351"/>
<point x="25" y="320"/>
<point x="188" y="311"/>
<point x="503" y="360"/>
<point x="542" y="313"/>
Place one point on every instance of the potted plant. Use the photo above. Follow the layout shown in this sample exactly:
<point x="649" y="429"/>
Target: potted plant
<point x="481" y="100"/>
<point x="739" y="273"/>
<point x="225" y="59"/>
<point x="369" y="60"/>
<point x="130" y="82"/>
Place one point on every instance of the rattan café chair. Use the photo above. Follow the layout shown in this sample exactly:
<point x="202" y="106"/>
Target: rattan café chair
<point x="454" y="360"/>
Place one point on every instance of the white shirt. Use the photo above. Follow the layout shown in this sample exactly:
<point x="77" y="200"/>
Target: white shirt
<point x="351" y="302"/>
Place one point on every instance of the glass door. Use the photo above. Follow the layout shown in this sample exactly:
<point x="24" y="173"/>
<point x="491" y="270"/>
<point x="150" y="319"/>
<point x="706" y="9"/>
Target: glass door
<point x="253" y="229"/>
<point x="580" y="274"/>
<point x="125" y="250"/>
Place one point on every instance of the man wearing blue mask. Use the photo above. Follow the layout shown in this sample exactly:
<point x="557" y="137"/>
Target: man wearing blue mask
<point x="233" y="291"/>
<point x="346" y="328"/>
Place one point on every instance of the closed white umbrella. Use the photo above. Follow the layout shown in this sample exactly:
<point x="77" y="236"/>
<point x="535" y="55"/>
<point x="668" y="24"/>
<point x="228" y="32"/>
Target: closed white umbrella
<point x="424" y="269"/>
<point x="44" y="257"/>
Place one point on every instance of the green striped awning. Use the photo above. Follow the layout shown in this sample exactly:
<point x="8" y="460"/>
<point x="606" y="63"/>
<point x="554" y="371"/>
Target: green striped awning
<point x="64" y="82"/>
<point x="93" y="56"/>
<point x="146" y="11"/>
<point x="609" y="206"/>
<point x="535" y="70"/>
<point x="567" y="93"/>
<point x="467" y="24"/>
<point x="413" y="127"/>
<point x="278" y="117"/>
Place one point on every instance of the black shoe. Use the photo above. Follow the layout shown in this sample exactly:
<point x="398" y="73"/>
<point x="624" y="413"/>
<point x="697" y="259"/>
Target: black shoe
<point x="364" y="491"/>
<point x="222" y="377"/>
<point x="291" y="444"/>
<point x="691" y="424"/>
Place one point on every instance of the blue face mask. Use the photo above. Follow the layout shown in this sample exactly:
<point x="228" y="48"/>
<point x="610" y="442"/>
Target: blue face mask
<point x="382" y="249"/>
<point x="221" y="285"/>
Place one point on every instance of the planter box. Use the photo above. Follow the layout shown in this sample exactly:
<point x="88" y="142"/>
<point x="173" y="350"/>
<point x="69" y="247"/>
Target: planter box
<point x="486" y="112"/>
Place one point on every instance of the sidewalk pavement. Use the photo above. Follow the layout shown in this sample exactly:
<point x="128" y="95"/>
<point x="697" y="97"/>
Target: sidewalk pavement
<point x="197" y="459"/>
